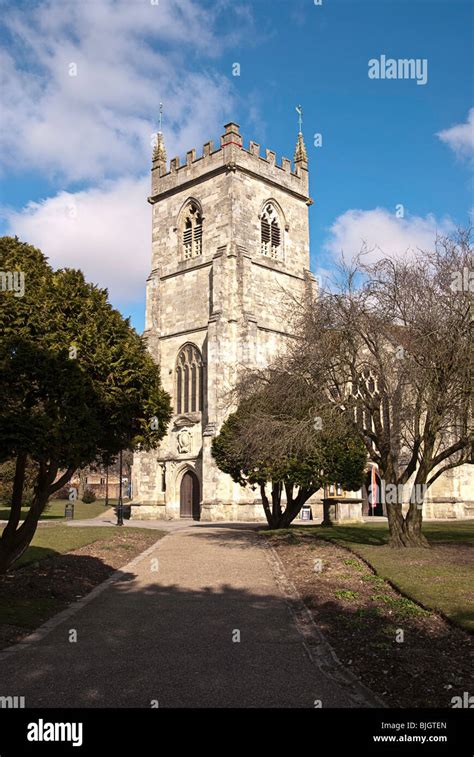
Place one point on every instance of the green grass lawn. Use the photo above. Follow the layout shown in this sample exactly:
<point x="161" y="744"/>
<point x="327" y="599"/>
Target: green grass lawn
<point x="55" y="510"/>
<point x="440" y="578"/>
<point x="29" y="597"/>
<point x="60" y="539"/>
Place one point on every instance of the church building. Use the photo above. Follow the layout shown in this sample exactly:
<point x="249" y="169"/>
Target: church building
<point x="230" y="239"/>
<point x="230" y="236"/>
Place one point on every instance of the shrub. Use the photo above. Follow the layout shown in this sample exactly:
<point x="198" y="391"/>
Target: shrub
<point x="88" y="496"/>
<point x="62" y="493"/>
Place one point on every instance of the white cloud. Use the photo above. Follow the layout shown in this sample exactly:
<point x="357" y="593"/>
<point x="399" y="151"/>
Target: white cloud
<point x="381" y="233"/>
<point x="105" y="232"/>
<point x="460" y="138"/>
<point x="96" y="128"/>
<point x="129" y="55"/>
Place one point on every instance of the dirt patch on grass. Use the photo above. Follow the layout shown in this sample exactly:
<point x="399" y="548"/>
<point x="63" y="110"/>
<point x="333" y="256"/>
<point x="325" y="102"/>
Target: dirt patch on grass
<point x="407" y="655"/>
<point x="32" y="594"/>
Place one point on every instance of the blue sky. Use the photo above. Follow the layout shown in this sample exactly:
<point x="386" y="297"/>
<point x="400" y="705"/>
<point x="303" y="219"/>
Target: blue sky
<point x="76" y="148"/>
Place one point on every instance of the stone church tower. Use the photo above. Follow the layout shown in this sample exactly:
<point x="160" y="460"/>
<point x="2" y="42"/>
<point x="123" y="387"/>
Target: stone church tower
<point x="230" y="237"/>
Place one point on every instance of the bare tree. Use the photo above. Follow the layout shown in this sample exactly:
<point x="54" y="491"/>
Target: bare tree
<point x="392" y="348"/>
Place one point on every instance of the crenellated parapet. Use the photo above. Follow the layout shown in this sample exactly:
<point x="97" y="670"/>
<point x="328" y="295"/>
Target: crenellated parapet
<point x="232" y="156"/>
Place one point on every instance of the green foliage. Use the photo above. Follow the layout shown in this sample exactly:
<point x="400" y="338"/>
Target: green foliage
<point x="276" y="437"/>
<point x="76" y="380"/>
<point x="77" y="384"/>
<point x="88" y="496"/>
<point x="346" y="594"/>
<point x="402" y="606"/>
<point x="372" y="579"/>
<point x="322" y="457"/>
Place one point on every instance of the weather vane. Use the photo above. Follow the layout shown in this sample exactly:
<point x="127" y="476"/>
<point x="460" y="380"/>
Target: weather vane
<point x="299" y="110"/>
<point x="160" y="117"/>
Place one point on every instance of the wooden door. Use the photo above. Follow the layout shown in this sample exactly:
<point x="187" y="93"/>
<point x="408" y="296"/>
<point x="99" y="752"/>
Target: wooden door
<point x="189" y="496"/>
<point x="186" y="496"/>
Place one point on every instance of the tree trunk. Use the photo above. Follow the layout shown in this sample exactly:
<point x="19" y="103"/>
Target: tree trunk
<point x="266" y="506"/>
<point x="82" y="482"/>
<point x="276" y="504"/>
<point x="275" y="517"/>
<point x="15" y="541"/>
<point x="294" y="506"/>
<point x="412" y="526"/>
<point x="405" y="532"/>
<point x="11" y="549"/>
<point x="395" y="526"/>
<point x="17" y="495"/>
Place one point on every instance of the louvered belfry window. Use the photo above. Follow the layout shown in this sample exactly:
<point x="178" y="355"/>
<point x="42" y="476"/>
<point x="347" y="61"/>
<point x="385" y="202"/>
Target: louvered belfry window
<point x="270" y="234"/>
<point x="198" y="238"/>
<point x="189" y="385"/>
<point x="192" y="232"/>
<point x="266" y="236"/>
<point x="188" y="239"/>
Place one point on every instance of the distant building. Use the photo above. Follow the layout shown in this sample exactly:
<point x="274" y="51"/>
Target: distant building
<point x="96" y="482"/>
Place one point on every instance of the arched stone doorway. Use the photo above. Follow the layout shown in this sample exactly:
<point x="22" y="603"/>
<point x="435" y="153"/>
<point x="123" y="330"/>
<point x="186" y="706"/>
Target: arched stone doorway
<point x="189" y="496"/>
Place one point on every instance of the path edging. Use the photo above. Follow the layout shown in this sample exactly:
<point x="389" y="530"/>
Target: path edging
<point x="319" y="650"/>
<point x="43" y="630"/>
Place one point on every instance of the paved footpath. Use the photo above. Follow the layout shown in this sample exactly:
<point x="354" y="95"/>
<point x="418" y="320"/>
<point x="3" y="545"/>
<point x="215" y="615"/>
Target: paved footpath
<point x="167" y="629"/>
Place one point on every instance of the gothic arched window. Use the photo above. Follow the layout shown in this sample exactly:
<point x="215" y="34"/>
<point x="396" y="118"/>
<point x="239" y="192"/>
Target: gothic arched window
<point x="270" y="233"/>
<point x="188" y="380"/>
<point x="191" y="231"/>
<point x="366" y="400"/>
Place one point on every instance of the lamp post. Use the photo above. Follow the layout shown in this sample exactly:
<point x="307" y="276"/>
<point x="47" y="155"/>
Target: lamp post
<point x="107" y="486"/>
<point x="120" y="500"/>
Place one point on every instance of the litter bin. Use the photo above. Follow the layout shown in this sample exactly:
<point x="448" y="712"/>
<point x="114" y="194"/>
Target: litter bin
<point x="69" y="511"/>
